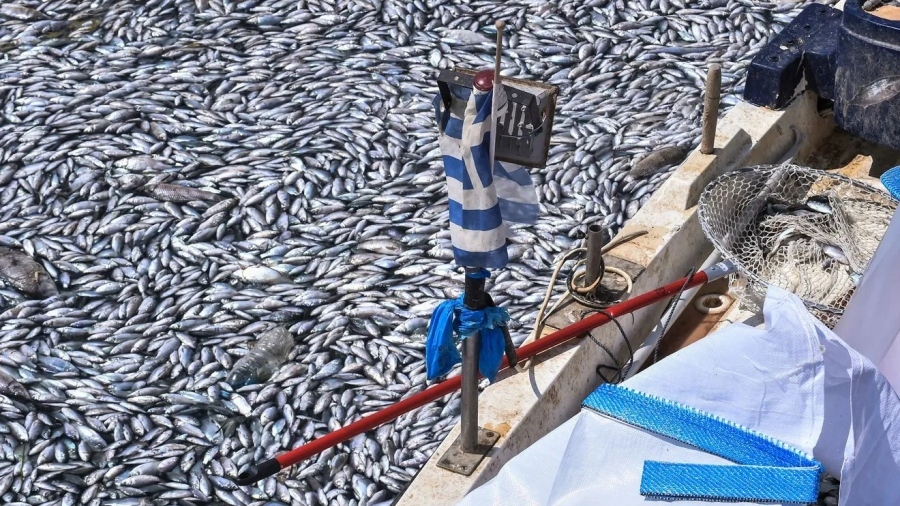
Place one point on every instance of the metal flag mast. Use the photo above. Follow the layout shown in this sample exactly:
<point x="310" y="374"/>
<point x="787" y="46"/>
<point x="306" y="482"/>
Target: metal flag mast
<point x="474" y="441"/>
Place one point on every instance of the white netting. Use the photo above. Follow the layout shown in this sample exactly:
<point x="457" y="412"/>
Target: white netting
<point x="807" y="231"/>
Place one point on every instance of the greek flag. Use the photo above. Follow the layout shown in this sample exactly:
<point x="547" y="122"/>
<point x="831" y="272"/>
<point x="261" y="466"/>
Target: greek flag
<point x="484" y="197"/>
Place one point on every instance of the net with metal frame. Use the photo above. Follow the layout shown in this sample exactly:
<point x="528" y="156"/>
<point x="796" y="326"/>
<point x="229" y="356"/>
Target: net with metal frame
<point x="808" y="231"/>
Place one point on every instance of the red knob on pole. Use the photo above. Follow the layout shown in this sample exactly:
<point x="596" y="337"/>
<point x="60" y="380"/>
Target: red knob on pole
<point x="484" y="80"/>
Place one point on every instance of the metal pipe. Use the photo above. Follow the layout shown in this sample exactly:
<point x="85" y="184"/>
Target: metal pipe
<point x="500" y="25"/>
<point x="597" y="238"/>
<point x="509" y="346"/>
<point x="468" y="419"/>
<point x="450" y="385"/>
<point x="474" y="299"/>
<point x="652" y="340"/>
<point x="711" y="108"/>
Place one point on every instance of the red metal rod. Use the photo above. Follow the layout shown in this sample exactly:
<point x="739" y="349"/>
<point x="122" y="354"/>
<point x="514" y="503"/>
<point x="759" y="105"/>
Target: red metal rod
<point x="272" y="466"/>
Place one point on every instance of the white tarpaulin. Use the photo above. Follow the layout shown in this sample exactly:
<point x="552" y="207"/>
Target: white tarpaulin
<point x="874" y="306"/>
<point x="795" y="381"/>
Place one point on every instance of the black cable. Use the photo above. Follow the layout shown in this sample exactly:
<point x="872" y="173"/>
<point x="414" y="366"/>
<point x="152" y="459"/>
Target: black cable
<point x="621" y="370"/>
<point x="672" y="302"/>
<point x="597" y="307"/>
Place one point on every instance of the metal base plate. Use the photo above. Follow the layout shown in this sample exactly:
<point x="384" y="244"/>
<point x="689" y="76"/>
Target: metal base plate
<point x="612" y="286"/>
<point x="456" y="461"/>
<point x="611" y="291"/>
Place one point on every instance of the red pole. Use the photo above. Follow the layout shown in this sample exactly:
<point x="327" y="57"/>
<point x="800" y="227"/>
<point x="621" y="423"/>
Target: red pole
<point x="272" y="466"/>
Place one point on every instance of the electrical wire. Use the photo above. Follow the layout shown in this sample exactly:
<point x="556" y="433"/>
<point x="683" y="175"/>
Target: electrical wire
<point x="622" y="370"/>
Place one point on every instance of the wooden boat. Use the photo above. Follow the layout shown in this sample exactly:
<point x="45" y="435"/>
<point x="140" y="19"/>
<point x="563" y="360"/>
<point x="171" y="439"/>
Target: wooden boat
<point x="524" y="407"/>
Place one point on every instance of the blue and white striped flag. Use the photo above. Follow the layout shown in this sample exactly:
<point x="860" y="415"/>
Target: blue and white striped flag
<point x="484" y="198"/>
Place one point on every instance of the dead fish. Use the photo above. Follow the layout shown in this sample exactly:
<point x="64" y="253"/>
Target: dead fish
<point x="783" y="237"/>
<point x="12" y="388"/>
<point x="834" y="252"/>
<point x="656" y="161"/>
<point x="382" y="246"/>
<point x="261" y="274"/>
<point x="870" y="5"/>
<point x="25" y="274"/>
<point x="877" y="92"/>
<point x="178" y="193"/>
<point x="819" y="206"/>
<point x="19" y="12"/>
<point x="465" y="36"/>
<point x="128" y="181"/>
<point x="141" y="162"/>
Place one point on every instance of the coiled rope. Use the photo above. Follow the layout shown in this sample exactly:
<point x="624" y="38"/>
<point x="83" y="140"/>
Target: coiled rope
<point x="573" y="291"/>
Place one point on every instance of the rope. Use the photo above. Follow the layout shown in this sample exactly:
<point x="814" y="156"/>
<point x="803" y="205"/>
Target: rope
<point x="621" y="370"/>
<point x="565" y="257"/>
<point x="583" y="289"/>
<point x="672" y="302"/>
<point x="576" y="275"/>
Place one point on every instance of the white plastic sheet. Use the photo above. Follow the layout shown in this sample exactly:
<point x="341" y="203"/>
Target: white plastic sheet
<point x="795" y="380"/>
<point x="871" y="321"/>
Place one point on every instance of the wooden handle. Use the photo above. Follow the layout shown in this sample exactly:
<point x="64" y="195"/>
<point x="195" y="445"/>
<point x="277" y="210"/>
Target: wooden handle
<point x="711" y="108"/>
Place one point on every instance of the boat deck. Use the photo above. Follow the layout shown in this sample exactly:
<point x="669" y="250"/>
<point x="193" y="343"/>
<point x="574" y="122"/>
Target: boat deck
<point x="524" y="407"/>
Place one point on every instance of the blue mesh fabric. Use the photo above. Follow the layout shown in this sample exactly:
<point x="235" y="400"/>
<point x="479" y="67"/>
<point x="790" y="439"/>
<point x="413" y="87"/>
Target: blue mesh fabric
<point x="891" y="181"/>
<point x="771" y="471"/>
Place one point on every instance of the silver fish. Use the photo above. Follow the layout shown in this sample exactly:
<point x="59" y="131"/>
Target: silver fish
<point x="24" y="273"/>
<point x="834" y="252"/>
<point x="122" y="125"/>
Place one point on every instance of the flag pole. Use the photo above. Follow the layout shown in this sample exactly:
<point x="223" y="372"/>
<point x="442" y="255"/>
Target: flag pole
<point x="475" y="300"/>
<point x="471" y="347"/>
<point x="497" y="54"/>
<point x="500" y="26"/>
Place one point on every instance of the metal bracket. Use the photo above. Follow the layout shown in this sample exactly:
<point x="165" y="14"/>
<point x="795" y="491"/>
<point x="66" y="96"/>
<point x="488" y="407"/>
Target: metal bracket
<point x="459" y="462"/>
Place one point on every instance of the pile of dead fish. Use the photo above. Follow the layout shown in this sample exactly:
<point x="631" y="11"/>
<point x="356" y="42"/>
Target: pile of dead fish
<point x="190" y="173"/>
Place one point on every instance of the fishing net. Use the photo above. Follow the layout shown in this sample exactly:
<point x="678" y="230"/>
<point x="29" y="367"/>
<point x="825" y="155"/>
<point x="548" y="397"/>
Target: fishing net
<point x="808" y="231"/>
